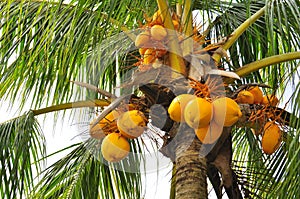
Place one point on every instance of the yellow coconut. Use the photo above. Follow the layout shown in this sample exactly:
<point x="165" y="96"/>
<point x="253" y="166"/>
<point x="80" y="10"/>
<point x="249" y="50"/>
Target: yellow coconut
<point x="115" y="147"/>
<point x="156" y="18"/>
<point x="142" y="39"/>
<point x="131" y="124"/>
<point x="105" y="126"/>
<point x="210" y="133"/>
<point x="158" y="32"/>
<point x="271" y="138"/>
<point x="198" y="113"/>
<point x="270" y="100"/>
<point x="226" y="111"/>
<point x="177" y="106"/>
<point x="257" y="94"/>
<point x="245" y="97"/>
<point x="149" y="56"/>
<point x="142" y="51"/>
<point x="175" y="24"/>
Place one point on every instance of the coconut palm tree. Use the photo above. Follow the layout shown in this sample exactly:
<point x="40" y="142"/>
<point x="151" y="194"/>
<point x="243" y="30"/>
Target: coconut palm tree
<point x="73" y="54"/>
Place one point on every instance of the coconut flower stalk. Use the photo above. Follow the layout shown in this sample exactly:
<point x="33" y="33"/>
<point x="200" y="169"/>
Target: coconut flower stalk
<point x="175" y="55"/>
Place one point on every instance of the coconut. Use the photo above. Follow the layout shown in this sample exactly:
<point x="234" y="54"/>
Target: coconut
<point x="142" y="39"/>
<point x="177" y="106"/>
<point x="105" y="126"/>
<point x="271" y="138"/>
<point x="226" y="111"/>
<point x="115" y="147"/>
<point x="158" y="32"/>
<point x="149" y="56"/>
<point x="210" y="133"/>
<point x="245" y="97"/>
<point x="198" y="113"/>
<point x="257" y="94"/>
<point x="142" y="51"/>
<point x="131" y="124"/>
<point x="270" y="100"/>
<point x="156" y="18"/>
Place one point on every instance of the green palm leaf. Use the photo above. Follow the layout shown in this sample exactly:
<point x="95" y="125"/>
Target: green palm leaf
<point x="51" y="43"/>
<point x="22" y="145"/>
<point x="83" y="172"/>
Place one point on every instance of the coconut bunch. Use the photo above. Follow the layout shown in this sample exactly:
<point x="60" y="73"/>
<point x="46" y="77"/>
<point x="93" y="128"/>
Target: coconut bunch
<point x="207" y="117"/>
<point x="152" y="42"/>
<point x="263" y="122"/>
<point x="254" y="95"/>
<point x="115" y="129"/>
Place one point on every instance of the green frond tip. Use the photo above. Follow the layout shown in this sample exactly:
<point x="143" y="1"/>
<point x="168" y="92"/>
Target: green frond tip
<point x="22" y="146"/>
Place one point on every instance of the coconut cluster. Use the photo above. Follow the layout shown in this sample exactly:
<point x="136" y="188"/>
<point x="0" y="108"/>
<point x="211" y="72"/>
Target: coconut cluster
<point x="152" y="42"/>
<point x="254" y="95"/>
<point x="271" y="133"/>
<point x="206" y="117"/>
<point x="115" y="130"/>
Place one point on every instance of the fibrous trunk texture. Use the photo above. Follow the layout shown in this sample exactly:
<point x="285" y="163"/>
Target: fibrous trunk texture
<point x="191" y="169"/>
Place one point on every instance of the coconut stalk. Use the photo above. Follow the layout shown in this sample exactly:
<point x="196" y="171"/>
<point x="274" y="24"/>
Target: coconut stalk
<point x="187" y="21"/>
<point x="175" y="54"/>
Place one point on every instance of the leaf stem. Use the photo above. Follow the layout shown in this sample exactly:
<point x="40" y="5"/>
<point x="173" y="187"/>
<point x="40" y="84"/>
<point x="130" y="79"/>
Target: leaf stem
<point x="276" y="59"/>
<point x="173" y="182"/>
<point x="79" y="104"/>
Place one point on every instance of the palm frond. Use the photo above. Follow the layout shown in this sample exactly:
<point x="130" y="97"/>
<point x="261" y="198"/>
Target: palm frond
<point x="51" y="41"/>
<point x="83" y="172"/>
<point x="289" y="173"/>
<point x="22" y="145"/>
<point x="275" y="33"/>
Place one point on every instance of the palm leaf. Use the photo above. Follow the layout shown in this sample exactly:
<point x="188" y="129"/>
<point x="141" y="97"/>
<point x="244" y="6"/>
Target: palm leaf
<point x="52" y="40"/>
<point x="83" y="172"/>
<point x="22" y="145"/>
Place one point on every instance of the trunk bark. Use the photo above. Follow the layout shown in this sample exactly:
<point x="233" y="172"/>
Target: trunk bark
<point x="191" y="168"/>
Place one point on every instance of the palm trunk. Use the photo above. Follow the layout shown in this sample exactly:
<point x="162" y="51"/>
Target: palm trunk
<point x="191" y="169"/>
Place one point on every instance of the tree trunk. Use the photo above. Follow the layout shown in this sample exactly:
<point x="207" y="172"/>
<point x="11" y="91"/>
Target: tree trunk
<point x="191" y="168"/>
